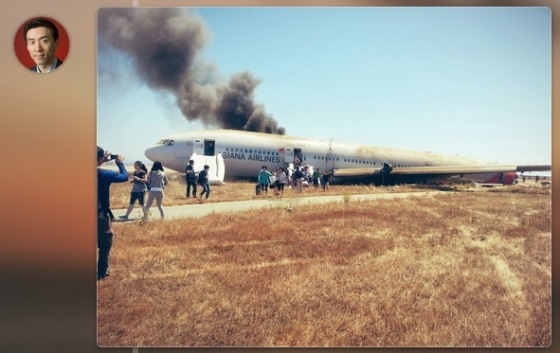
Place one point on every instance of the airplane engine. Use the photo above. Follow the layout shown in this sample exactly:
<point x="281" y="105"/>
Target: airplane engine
<point x="507" y="178"/>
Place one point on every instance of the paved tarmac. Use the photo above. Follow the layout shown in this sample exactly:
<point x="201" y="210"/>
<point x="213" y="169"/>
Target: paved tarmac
<point x="200" y="210"/>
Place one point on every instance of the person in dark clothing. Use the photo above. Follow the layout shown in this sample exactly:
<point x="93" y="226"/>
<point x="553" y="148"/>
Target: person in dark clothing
<point x="325" y="180"/>
<point x="191" y="179"/>
<point x="298" y="176"/>
<point x="104" y="215"/>
<point x="42" y="38"/>
<point x="204" y="182"/>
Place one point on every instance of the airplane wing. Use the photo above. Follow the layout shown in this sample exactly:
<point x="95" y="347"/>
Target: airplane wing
<point x="416" y="174"/>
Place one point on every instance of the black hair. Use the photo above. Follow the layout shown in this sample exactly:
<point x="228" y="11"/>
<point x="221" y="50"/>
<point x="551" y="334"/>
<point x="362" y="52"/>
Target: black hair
<point x="142" y="166"/>
<point x="157" y="166"/>
<point x="40" y="22"/>
<point x="191" y="161"/>
<point x="206" y="166"/>
<point x="100" y="152"/>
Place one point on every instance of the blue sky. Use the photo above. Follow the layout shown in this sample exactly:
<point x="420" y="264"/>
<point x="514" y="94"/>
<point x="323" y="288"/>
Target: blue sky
<point x="469" y="81"/>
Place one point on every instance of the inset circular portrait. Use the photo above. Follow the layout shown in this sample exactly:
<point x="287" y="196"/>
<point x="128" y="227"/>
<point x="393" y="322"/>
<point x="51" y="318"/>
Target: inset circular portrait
<point x="41" y="44"/>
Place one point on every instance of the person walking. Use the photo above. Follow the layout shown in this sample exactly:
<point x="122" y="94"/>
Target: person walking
<point x="280" y="181"/>
<point x="298" y="176"/>
<point x="139" y="188"/>
<point x="191" y="179"/>
<point x="264" y="179"/>
<point x="315" y="177"/>
<point x="325" y="179"/>
<point x="204" y="182"/>
<point x="157" y="181"/>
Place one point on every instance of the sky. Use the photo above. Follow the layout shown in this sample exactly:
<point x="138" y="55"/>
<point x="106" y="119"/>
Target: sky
<point x="473" y="82"/>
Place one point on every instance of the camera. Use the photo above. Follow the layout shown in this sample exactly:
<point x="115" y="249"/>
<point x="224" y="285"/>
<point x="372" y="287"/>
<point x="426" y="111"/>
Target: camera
<point x="113" y="156"/>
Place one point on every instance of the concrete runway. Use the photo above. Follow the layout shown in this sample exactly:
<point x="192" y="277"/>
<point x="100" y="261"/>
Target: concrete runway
<point x="201" y="210"/>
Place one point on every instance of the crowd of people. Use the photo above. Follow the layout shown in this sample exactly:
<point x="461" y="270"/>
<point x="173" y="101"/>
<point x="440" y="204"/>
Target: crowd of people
<point x="155" y="181"/>
<point x="297" y="177"/>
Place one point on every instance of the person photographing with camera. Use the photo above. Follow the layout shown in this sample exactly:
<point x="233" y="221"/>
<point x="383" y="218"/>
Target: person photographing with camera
<point x="105" y="178"/>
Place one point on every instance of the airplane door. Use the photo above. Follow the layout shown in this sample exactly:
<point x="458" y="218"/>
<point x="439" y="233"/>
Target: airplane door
<point x="209" y="147"/>
<point x="204" y="147"/>
<point x="198" y="146"/>
<point x="288" y="155"/>
<point x="293" y="153"/>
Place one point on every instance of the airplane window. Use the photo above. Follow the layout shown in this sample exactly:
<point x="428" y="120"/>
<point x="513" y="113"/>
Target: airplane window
<point x="237" y="150"/>
<point x="250" y="151"/>
<point x="227" y="149"/>
<point x="268" y="153"/>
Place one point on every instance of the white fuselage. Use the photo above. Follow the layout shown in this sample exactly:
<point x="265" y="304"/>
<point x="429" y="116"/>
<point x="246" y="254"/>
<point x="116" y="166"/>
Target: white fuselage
<point x="245" y="153"/>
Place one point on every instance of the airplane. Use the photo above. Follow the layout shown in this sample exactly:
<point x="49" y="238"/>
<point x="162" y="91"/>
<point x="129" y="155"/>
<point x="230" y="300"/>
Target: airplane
<point x="241" y="154"/>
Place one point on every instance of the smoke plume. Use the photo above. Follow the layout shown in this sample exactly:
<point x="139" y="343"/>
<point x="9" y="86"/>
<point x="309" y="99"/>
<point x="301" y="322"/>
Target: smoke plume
<point x="164" y="44"/>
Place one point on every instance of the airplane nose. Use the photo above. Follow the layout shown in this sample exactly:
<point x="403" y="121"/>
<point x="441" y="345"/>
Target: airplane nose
<point x="155" y="153"/>
<point x="149" y="153"/>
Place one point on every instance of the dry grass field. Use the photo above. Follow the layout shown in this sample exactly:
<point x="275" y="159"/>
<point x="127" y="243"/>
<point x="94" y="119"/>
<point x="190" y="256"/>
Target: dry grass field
<point x="458" y="269"/>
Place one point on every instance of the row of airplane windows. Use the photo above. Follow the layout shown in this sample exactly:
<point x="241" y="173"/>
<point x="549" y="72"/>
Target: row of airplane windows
<point x="241" y="150"/>
<point x="273" y="153"/>
<point x="346" y="160"/>
<point x="349" y="160"/>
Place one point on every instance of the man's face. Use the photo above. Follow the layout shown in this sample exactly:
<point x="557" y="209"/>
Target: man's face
<point x="41" y="45"/>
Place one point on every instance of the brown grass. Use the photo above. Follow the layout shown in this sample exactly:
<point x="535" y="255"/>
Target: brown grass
<point x="466" y="269"/>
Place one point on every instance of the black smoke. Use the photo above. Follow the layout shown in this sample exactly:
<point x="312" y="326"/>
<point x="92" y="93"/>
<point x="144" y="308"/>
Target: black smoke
<point x="164" y="44"/>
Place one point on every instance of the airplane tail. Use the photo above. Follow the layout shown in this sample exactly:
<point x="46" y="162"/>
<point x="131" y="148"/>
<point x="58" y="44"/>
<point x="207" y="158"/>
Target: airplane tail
<point x="217" y="170"/>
